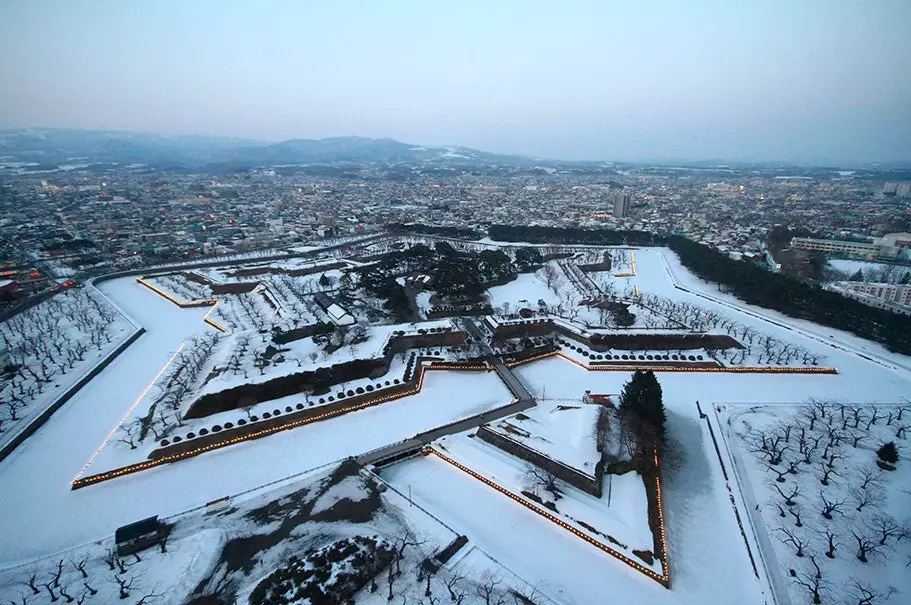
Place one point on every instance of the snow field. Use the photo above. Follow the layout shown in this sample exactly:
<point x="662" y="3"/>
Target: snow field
<point x="56" y="343"/>
<point x="852" y="481"/>
<point x="626" y="523"/>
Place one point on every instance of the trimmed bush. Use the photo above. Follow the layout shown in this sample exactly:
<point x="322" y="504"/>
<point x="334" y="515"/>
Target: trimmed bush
<point x="216" y="428"/>
<point x="203" y="432"/>
<point x="191" y="435"/>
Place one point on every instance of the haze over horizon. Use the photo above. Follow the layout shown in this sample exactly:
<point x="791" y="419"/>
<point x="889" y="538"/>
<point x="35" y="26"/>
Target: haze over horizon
<point x="813" y="81"/>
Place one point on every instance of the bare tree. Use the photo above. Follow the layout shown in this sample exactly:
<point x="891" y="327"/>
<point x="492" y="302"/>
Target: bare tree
<point x="812" y="580"/>
<point x="488" y="590"/>
<point x="149" y="597"/>
<point x="886" y="528"/>
<point x="864" y="593"/>
<point x="789" y="536"/>
<point x="830" y="506"/>
<point x="790" y="495"/>
<point x="870" y="476"/>
<point x="453" y="585"/>
<point x="80" y="566"/>
<point x="32" y="581"/>
<point x="110" y="557"/>
<point x="865" y="497"/>
<point x="867" y="545"/>
<point x="538" y="478"/>
<point x="125" y="584"/>
<point x="825" y="531"/>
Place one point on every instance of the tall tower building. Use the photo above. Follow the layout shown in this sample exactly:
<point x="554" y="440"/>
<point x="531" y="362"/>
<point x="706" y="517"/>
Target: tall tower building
<point x="621" y="204"/>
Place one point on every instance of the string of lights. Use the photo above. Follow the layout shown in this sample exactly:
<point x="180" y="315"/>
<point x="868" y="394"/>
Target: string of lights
<point x="187" y="305"/>
<point x="663" y="579"/>
<point x="224" y="441"/>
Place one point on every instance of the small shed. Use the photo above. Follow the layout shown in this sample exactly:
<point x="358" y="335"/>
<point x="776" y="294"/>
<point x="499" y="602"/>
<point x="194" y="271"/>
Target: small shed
<point x="139" y="535"/>
<point x="598" y="399"/>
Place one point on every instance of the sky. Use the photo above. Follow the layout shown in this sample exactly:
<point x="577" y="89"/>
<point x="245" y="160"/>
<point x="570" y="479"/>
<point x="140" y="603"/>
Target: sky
<point x="767" y="80"/>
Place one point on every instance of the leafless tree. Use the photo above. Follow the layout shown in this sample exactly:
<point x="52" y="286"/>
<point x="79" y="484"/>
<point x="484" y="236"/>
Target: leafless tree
<point x="867" y="545"/>
<point x="825" y="531"/>
<point x="812" y="580"/>
<point x="110" y="557"/>
<point x="870" y="476"/>
<point x="58" y="572"/>
<point x="149" y="597"/>
<point x="830" y="506"/>
<point x="886" y="528"/>
<point x="50" y="590"/>
<point x="864" y="593"/>
<point x="125" y="584"/>
<point x="80" y="566"/>
<point x="825" y="473"/>
<point x="488" y="590"/>
<point x="63" y="592"/>
<point x="129" y="433"/>
<point x="538" y="478"/>
<point x="865" y="497"/>
<point x="789" y="536"/>
<point x="454" y="585"/>
<point x="32" y="581"/>
<point x="790" y="495"/>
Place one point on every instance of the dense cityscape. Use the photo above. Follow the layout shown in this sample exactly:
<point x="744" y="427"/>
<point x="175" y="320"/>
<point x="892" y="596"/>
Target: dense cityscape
<point x="67" y="220"/>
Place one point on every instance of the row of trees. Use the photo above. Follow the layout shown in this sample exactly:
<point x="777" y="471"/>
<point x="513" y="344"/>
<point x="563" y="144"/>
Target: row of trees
<point x="795" y="298"/>
<point x="180" y="383"/>
<point x="85" y="578"/>
<point x="47" y="342"/>
<point x="828" y="499"/>
<point x="748" y="281"/>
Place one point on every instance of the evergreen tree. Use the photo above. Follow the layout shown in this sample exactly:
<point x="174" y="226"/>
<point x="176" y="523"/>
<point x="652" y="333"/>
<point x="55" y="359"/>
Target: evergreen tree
<point x="888" y="452"/>
<point x="858" y="276"/>
<point x="906" y="278"/>
<point x="528" y="257"/>
<point x="345" y="288"/>
<point x="641" y="401"/>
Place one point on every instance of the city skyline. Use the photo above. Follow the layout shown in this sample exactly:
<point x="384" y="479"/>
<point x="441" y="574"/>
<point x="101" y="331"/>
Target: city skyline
<point x="816" y="83"/>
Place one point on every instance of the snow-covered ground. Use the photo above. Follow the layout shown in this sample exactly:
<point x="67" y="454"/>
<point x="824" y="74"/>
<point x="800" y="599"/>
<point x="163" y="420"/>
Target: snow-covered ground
<point x="852" y="481"/>
<point x="55" y="344"/>
<point x="561" y="431"/>
<point x="707" y="555"/>
<point x="37" y="476"/>
<point x="187" y="561"/>
<point x="619" y="519"/>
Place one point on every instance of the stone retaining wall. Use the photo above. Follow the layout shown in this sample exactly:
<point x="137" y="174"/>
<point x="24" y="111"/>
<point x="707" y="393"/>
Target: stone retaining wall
<point x="588" y="484"/>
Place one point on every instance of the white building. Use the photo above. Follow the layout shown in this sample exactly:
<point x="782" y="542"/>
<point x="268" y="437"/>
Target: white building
<point x="890" y="297"/>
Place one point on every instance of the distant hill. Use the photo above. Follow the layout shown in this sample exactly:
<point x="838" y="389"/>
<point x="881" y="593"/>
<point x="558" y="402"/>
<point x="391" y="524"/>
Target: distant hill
<point x="58" y="146"/>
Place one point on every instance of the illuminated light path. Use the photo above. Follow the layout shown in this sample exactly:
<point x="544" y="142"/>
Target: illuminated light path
<point x="664" y="579"/>
<point x="632" y="367"/>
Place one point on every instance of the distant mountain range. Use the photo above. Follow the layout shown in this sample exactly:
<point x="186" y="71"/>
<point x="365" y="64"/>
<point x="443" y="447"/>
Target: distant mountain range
<point x="46" y="146"/>
<point x="46" y="149"/>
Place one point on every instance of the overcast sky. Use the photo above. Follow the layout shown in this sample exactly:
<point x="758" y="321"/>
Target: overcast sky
<point x="826" y="80"/>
